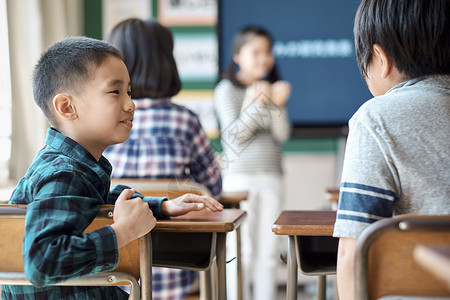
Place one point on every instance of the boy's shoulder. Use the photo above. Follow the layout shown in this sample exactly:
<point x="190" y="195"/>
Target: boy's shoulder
<point x="408" y="107"/>
<point x="409" y="97"/>
<point x="49" y="160"/>
<point x="61" y="166"/>
<point x="48" y="166"/>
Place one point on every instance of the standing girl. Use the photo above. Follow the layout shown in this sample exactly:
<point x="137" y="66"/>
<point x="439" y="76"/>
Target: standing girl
<point x="167" y="140"/>
<point x="250" y="104"/>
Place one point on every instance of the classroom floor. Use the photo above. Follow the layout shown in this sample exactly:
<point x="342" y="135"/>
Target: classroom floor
<point x="305" y="292"/>
<point x="307" y="288"/>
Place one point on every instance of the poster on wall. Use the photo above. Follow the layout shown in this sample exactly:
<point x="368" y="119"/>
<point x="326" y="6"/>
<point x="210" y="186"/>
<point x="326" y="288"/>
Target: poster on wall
<point x="196" y="55"/>
<point x="115" y="11"/>
<point x="187" y="12"/>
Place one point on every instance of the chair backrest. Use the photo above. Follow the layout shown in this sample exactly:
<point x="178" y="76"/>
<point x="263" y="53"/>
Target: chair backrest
<point x="384" y="257"/>
<point x="129" y="260"/>
<point x="173" y="188"/>
<point x="170" y="188"/>
<point x="12" y="230"/>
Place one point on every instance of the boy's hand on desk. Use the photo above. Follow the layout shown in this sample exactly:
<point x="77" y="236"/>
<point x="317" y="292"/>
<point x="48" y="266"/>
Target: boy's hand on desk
<point x="132" y="218"/>
<point x="189" y="202"/>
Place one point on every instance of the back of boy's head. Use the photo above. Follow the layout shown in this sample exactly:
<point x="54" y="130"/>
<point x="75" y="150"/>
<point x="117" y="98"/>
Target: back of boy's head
<point x="414" y="33"/>
<point x="65" y="67"/>
<point x="147" y="49"/>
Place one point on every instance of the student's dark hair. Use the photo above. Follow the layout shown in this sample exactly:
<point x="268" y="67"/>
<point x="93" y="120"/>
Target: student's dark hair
<point x="240" y="39"/>
<point x="147" y="49"/>
<point x="414" y="33"/>
<point x="66" y="66"/>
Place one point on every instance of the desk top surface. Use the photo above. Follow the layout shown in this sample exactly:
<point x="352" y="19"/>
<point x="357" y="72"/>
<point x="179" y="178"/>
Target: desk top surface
<point x="203" y="221"/>
<point x="305" y="223"/>
<point x="197" y="221"/>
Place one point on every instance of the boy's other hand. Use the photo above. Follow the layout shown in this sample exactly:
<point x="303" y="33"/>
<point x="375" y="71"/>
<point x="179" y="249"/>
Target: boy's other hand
<point x="132" y="218"/>
<point x="189" y="202"/>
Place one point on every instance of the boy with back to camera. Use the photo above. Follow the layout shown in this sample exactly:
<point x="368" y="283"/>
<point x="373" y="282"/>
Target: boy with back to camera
<point x="83" y="88"/>
<point x="398" y="148"/>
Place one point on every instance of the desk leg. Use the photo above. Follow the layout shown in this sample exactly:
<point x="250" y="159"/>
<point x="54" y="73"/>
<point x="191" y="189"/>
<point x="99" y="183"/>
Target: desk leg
<point x="291" y="286"/>
<point x="206" y="284"/>
<point x="321" y="287"/>
<point x="221" y="265"/>
<point x="239" y="264"/>
<point x="145" y="252"/>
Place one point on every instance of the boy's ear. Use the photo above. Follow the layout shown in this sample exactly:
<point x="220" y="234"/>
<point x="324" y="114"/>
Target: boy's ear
<point x="64" y="106"/>
<point x="384" y="60"/>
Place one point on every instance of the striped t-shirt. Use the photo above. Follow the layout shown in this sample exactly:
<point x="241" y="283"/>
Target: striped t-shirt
<point x="251" y="136"/>
<point x="397" y="159"/>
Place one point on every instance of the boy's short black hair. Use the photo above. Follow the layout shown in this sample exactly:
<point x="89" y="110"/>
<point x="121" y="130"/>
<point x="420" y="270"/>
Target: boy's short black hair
<point x="65" y="66"/>
<point x="147" y="49"/>
<point x="414" y="33"/>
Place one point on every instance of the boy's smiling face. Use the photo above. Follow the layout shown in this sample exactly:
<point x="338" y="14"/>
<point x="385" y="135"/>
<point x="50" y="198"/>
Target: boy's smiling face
<point x="103" y="107"/>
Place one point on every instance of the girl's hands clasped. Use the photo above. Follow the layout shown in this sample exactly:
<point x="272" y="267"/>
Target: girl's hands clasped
<point x="266" y="93"/>
<point x="280" y="92"/>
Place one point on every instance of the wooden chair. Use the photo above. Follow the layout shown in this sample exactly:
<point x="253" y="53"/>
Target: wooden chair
<point x="170" y="188"/>
<point x="384" y="257"/>
<point x="434" y="259"/>
<point x="134" y="258"/>
<point x="173" y="188"/>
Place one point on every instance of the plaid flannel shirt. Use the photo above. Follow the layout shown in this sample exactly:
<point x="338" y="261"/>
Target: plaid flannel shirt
<point x="64" y="188"/>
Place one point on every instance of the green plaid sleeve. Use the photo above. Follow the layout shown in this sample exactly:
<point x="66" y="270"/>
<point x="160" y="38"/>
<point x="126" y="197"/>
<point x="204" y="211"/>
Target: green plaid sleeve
<point x="55" y="245"/>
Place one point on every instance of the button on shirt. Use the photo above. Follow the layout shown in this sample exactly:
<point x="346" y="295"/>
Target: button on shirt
<point x="64" y="188"/>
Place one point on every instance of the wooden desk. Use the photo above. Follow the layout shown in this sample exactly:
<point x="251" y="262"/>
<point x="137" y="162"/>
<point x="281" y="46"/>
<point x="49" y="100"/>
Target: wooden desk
<point x="332" y="195"/>
<point x="192" y="241"/>
<point x="172" y="188"/>
<point x="435" y="259"/>
<point x="311" y="247"/>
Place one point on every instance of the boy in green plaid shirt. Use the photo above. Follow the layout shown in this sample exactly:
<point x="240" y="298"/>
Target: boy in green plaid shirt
<point x="83" y="88"/>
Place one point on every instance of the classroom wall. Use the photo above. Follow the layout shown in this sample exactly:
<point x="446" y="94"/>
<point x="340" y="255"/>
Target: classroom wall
<point x="310" y="167"/>
<point x="310" y="164"/>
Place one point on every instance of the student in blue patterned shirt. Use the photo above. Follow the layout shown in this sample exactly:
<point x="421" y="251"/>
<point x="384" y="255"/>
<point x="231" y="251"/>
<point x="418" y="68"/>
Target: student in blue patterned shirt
<point x="167" y="140"/>
<point x="83" y="88"/>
